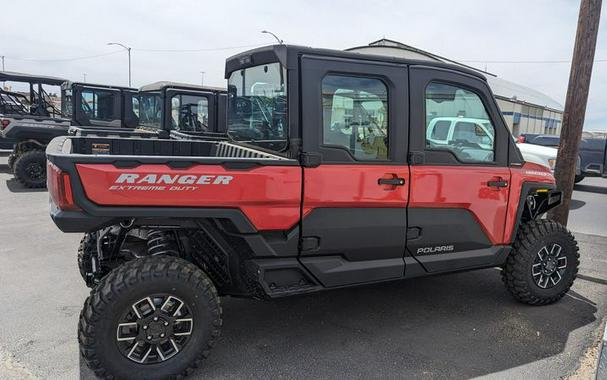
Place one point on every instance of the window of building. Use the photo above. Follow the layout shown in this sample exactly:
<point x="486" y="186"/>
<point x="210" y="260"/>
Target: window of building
<point x="457" y="121"/>
<point x="355" y="116"/>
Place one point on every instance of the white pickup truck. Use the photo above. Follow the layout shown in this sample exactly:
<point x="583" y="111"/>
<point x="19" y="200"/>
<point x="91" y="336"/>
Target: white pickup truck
<point x="483" y="136"/>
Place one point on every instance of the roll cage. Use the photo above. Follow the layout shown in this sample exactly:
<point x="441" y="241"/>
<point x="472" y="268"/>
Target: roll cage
<point x="37" y="102"/>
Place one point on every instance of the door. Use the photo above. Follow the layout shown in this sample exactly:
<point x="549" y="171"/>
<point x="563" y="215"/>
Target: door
<point x="95" y="106"/>
<point x="354" y="116"/>
<point x="459" y="186"/>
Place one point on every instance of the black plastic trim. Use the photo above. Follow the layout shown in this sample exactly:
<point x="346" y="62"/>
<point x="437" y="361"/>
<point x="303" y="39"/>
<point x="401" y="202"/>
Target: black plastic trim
<point x="526" y="188"/>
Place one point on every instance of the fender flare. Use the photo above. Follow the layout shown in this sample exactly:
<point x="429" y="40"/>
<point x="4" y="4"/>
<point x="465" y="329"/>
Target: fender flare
<point x="528" y="188"/>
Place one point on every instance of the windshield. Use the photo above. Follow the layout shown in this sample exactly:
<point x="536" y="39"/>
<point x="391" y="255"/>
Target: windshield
<point x="150" y="110"/>
<point x="257" y="107"/>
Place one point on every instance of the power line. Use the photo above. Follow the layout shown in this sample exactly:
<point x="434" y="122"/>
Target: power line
<point x="134" y="49"/>
<point x="534" y="61"/>
<point x="63" y="59"/>
<point x="196" y="50"/>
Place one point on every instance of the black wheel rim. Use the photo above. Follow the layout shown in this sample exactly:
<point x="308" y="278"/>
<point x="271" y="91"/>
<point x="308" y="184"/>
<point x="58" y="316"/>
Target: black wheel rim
<point x="35" y="171"/>
<point x="549" y="266"/>
<point x="154" y="329"/>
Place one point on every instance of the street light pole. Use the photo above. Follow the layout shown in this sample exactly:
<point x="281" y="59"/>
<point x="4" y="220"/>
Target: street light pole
<point x="84" y="77"/>
<point x="128" y="49"/>
<point x="2" y="63"/>
<point x="280" y="42"/>
<point x="202" y="78"/>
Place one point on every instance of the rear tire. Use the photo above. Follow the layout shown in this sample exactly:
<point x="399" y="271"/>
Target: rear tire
<point x="543" y="264"/>
<point x="11" y="161"/>
<point x="143" y="297"/>
<point x="30" y="169"/>
<point x="86" y="249"/>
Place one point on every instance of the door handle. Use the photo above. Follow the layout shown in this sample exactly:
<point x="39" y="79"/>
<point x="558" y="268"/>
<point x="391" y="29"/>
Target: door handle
<point x="498" y="182"/>
<point x="397" y="181"/>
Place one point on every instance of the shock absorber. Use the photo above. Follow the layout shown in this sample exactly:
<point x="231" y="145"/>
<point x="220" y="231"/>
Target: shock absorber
<point x="162" y="242"/>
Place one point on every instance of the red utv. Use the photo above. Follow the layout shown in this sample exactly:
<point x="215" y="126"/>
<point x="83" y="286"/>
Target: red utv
<point x="330" y="179"/>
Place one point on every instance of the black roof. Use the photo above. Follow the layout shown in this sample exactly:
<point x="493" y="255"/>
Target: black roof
<point x="30" y="78"/>
<point x="157" y="86"/>
<point x="286" y="55"/>
<point x="98" y="86"/>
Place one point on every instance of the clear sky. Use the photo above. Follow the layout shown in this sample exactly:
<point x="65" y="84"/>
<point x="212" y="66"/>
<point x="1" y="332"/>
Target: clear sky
<point x="43" y="37"/>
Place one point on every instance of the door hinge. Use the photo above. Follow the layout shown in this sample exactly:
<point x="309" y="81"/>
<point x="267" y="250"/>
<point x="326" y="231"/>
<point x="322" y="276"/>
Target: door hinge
<point x="310" y="159"/>
<point x="416" y="158"/>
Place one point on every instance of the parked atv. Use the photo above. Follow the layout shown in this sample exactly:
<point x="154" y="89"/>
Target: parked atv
<point x="30" y="122"/>
<point x="328" y="180"/>
<point x="172" y="110"/>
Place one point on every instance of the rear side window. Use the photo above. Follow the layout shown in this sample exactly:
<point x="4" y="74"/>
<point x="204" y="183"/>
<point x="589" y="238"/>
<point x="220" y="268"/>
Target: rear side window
<point x="98" y="105"/>
<point x="440" y="131"/>
<point x="457" y="121"/>
<point x="190" y="113"/>
<point x="355" y="116"/>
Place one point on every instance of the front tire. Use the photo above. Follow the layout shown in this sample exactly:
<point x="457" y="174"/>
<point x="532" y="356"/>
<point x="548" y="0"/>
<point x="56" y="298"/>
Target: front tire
<point x="579" y="178"/>
<point x="30" y="169"/>
<point x="543" y="264"/>
<point x="151" y="318"/>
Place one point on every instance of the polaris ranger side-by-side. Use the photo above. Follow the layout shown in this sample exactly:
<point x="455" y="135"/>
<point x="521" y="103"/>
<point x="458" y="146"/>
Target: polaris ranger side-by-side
<point x="336" y="184"/>
<point x="175" y="110"/>
<point x="32" y="121"/>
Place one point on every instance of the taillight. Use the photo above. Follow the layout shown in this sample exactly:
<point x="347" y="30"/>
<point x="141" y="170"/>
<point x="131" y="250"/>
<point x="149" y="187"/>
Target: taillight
<point x="521" y="139"/>
<point x="4" y="123"/>
<point x="59" y="188"/>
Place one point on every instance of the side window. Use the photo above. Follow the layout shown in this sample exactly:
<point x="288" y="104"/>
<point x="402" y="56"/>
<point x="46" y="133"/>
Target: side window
<point x="440" y="130"/>
<point x="98" y="105"/>
<point x="135" y="105"/>
<point x="457" y="121"/>
<point x="150" y="110"/>
<point x="355" y="116"/>
<point x="190" y="113"/>
<point x="87" y="103"/>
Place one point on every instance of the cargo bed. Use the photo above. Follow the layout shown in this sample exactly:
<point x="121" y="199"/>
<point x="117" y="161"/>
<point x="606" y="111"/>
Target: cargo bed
<point x="96" y="182"/>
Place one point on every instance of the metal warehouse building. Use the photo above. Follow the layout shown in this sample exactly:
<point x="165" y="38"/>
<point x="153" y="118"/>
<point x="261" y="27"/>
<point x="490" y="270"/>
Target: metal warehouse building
<point x="525" y="110"/>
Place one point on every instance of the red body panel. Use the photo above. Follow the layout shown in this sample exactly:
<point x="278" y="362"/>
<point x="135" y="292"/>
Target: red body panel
<point x="463" y="187"/>
<point x="354" y="186"/>
<point x="269" y="196"/>
<point x="528" y="173"/>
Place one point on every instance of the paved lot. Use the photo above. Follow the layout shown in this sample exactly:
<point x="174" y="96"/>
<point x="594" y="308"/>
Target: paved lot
<point x="460" y="325"/>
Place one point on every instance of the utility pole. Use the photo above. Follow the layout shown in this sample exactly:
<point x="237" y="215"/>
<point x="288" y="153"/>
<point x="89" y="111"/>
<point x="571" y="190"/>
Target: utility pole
<point x="575" y="103"/>
<point x="84" y="77"/>
<point x="2" y="62"/>
<point x="128" y="49"/>
<point x="202" y="78"/>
